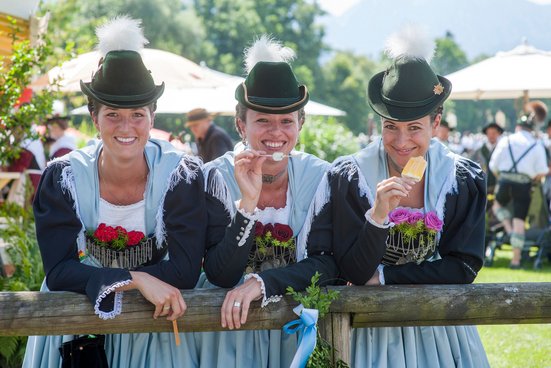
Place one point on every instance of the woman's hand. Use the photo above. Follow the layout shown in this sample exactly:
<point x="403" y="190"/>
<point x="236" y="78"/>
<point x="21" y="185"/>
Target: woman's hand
<point x="237" y="302"/>
<point x="248" y="174"/>
<point x="167" y="299"/>
<point x="389" y="194"/>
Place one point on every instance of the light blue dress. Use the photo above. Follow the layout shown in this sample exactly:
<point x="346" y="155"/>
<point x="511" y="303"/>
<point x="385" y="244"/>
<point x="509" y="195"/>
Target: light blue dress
<point x="247" y="348"/>
<point x="423" y="347"/>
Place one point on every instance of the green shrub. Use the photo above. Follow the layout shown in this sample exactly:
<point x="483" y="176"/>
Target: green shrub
<point x="19" y="233"/>
<point x="314" y="298"/>
<point x="17" y="124"/>
<point x="327" y="139"/>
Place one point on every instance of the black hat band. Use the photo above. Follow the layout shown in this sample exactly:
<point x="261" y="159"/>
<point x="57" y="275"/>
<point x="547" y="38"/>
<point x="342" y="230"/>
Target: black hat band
<point x="419" y="103"/>
<point x="142" y="96"/>
<point x="295" y="102"/>
<point x="275" y="102"/>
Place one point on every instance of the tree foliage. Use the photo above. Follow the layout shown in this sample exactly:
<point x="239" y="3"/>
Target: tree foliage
<point x="345" y="79"/>
<point x="231" y="25"/>
<point x="448" y="57"/>
<point x="168" y="24"/>
<point x="16" y="74"/>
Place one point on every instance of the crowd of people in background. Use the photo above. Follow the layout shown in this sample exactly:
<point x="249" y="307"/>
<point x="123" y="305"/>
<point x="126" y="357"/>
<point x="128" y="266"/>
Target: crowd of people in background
<point x="516" y="162"/>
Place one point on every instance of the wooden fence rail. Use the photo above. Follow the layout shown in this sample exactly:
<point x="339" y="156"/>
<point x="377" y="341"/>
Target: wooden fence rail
<point x="59" y="313"/>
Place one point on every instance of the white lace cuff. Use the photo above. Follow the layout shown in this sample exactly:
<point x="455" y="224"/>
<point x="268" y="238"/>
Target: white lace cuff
<point x="265" y="301"/>
<point x="385" y="225"/>
<point x="117" y="307"/>
<point x="250" y="216"/>
<point x="381" y="274"/>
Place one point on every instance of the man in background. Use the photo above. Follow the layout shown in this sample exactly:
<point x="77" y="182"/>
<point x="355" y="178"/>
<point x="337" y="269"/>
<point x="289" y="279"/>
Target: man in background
<point x="517" y="161"/>
<point x="443" y="132"/>
<point x="493" y="132"/>
<point x="212" y="141"/>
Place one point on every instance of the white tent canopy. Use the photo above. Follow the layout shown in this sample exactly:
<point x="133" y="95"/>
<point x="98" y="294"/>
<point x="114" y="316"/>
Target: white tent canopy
<point x="216" y="100"/>
<point x="187" y="84"/>
<point x="521" y="72"/>
<point x="176" y="71"/>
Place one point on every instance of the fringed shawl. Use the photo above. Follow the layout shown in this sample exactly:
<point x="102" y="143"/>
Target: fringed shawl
<point x="307" y="173"/>
<point x="167" y="166"/>
<point x="440" y="176"/>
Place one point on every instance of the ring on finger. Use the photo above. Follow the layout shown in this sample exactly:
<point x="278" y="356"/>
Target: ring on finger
<point x="237" y="304"/>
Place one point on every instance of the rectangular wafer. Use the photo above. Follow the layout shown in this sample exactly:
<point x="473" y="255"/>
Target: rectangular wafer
<point x="415" y="168"/>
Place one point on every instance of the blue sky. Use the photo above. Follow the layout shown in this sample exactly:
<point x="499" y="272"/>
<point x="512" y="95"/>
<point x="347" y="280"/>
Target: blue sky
<point x="339" y="7"/>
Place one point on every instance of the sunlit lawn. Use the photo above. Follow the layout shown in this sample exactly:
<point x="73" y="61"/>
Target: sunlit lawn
<point x="516" y="345"/>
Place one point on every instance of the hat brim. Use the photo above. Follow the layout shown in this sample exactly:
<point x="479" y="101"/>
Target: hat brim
<point x="56" y="118"/>
<point x="399" y="113"/>
<point x="241" y="96"/>
<point x="123" y="102"/>
<point x="499" y="129"/>
<point x="195" y="122"/>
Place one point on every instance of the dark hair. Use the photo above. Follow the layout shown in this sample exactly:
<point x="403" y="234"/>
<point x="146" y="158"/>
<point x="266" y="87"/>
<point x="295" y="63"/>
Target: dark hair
<point x="62" y="122"/>
<point x="241" y="114"/>
<point x="94" y="106"/>
<point x="434" y="114"/>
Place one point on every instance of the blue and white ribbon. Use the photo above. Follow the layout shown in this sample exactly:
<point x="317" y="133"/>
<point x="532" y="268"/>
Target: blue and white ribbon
<point x="306" y="324"/>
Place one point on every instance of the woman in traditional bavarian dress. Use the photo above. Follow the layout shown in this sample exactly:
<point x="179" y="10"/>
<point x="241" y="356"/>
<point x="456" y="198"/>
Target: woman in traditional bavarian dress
<point x="432" y="229"/>
<point x="263" y="191"/>
<point x="126" y="213"/>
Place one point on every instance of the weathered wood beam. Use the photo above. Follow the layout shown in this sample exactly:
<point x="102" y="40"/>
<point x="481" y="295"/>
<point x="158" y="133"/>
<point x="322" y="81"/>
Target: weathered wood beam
<point x="56" y="313"/>
<point x="61" y="313"/>
<point x="439" y="305"/>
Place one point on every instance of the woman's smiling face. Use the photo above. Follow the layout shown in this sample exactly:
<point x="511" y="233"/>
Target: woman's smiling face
<point x="124" y="132"/>
<point x="270" y="132"/>
<point x="405" y="139"/>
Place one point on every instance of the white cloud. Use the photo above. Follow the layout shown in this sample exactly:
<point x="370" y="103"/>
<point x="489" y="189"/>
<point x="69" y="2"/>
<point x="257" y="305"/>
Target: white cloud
<point x="339" y="7"/>
<point x="541" y="2"/>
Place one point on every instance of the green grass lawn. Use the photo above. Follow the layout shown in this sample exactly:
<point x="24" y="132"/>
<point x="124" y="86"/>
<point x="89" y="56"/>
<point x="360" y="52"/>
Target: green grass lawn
<point x="516" y="345"/>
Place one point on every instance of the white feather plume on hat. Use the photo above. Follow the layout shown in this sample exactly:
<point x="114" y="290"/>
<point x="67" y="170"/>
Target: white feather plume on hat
<point x="410" y="41"/>
<point x="121" y="33"/>
<point x="267" y="48"/>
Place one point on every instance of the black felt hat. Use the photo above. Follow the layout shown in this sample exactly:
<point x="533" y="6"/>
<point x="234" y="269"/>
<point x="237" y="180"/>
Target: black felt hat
<point x="408" y="90"/>
<point x="123" y="81"/>
<point x="271" y="87"/>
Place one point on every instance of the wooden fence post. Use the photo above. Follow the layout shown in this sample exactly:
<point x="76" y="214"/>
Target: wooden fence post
<point x="325" y="328"/>
<point x="342" y="331"/>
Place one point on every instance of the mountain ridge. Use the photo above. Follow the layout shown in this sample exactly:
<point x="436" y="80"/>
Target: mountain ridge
<point x="479" y="27"/>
